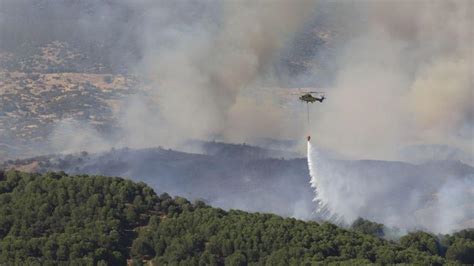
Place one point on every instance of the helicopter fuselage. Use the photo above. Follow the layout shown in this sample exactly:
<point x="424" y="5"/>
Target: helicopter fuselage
<point x="310" y="98"/>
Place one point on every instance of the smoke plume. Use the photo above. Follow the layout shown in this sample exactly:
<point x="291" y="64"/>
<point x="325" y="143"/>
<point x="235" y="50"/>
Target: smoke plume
<point x="398" y="75"/>
<point x="402" y="82"/>
<point x="433" y="202"/>
<point x="200" y="69"/>
<point x="403" y="77"/>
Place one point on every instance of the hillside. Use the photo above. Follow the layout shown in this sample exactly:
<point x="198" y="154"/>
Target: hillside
<point x="249" y="178"/>
<point x="42" y="86"/>
<point x="227" y="179"/>
<point x="55" y="218"/>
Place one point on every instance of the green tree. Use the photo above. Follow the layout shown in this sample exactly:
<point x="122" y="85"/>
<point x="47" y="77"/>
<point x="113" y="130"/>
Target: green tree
<point x="462" y="250"/>
<point x="236" y="259"/>
<point x="368" y="227"/>
<point x="421" y="241"/>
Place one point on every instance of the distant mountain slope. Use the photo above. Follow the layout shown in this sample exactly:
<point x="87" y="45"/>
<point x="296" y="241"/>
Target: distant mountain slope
<point x="32" y="104"/>
<point x="248" y="178"/>
<point x="44" y="85"/>
<point x="55" y="218"/>
<point x="426" y="153"/>
<point x="230" y="181"/>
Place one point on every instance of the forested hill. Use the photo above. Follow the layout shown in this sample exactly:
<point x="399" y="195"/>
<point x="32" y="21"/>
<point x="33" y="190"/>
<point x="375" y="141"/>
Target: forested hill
<point x="250" y="178"/>
<point x="54" y="218"/>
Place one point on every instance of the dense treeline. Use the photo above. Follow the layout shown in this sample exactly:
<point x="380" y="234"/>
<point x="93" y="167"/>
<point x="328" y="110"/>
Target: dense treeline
<point x="210" y="236"/>
<point x="54" y="218"/>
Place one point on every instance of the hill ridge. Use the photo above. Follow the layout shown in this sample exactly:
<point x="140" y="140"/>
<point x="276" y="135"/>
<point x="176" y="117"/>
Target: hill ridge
<point x="113" y="219"/>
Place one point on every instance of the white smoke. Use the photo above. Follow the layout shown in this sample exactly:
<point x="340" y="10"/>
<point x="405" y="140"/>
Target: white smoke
<point x="400" y="74"/>
<point x="201" y="63"/>
<point x="402" y="77"/>
<point x="402" y="81"/>
<point x="201" y="66"/>
<point x="437" y="204"/>
<point x="70" y="136"/>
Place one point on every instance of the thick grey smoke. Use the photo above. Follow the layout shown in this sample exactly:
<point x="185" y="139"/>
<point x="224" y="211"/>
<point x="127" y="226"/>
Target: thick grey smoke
<point x="399" y="74"/>
<point x="203" y="63"/>
<point x="403" y="82"/>
<point x="201" y="67"/>
<point x="403" y="77"/>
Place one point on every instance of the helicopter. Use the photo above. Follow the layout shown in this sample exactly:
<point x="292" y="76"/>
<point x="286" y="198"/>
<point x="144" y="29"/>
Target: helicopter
<point x="309" y="98"/>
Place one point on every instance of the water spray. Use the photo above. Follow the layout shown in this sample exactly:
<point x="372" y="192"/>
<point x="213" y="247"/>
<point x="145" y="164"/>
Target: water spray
<point x="314" y="181"/>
